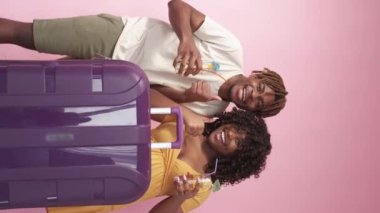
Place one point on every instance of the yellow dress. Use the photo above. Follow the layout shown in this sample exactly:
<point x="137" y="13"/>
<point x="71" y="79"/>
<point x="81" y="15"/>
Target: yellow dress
<point x="164" y="166"/>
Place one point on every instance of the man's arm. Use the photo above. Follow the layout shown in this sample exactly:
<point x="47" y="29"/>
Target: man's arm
<point x="199" y="91"/>
<point x="171" y="93"/>
<point x="194" y="123"/>
<point x="185" y="20"/>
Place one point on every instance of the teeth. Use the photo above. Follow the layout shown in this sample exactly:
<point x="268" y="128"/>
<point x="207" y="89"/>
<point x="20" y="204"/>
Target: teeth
<point x="223" y="138"/>
<point x="240" y="94"/>
<point x="244" y="92"/>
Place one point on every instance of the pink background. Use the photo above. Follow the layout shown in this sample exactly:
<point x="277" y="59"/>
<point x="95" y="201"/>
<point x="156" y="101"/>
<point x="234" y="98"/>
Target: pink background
<point x="325" y="156"/>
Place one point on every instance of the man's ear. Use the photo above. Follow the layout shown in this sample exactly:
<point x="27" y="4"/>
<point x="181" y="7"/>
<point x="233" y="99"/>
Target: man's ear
<point x="266" y="69"/>
<point x="255" y="73"/>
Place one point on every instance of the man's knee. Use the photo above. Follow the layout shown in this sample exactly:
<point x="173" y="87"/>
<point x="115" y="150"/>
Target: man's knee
<point x="24" y="35"/>
<point x="16" y="32"/>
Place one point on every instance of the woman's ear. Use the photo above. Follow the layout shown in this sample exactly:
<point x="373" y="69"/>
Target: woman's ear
<point x="208" y="119"/>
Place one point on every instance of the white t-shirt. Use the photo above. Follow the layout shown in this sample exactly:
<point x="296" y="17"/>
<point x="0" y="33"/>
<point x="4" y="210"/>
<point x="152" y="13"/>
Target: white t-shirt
<point x="152" y="44"/>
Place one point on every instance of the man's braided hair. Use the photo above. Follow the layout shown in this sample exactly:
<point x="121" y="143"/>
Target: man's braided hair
<point x="275" y="82"/>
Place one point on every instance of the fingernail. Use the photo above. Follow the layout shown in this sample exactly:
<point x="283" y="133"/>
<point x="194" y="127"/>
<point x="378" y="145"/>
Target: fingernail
<point x="177" y="68"/>
<point x="198" y="179"/>
<point x="184" y="178"/>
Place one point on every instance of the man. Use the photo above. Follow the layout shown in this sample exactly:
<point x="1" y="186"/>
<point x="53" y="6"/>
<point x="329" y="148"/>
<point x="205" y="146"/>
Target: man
<point x="176" y="57"/>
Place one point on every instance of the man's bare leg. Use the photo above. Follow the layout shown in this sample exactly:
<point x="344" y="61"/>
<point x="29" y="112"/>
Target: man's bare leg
<point x="15" y="32"/>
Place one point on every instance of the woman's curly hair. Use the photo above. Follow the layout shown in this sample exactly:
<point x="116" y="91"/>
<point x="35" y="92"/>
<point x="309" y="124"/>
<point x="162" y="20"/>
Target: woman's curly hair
<point x="251" y="155"/>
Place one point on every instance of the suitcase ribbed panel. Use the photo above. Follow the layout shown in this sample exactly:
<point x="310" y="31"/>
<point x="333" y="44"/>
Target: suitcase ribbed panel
<point x="73" y="132"/>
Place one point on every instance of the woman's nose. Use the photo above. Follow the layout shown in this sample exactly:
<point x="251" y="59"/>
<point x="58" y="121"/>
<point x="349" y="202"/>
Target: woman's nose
<point x="231" y="134"/>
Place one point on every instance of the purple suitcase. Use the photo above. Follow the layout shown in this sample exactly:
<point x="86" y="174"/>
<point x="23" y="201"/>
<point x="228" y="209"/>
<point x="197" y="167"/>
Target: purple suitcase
<point x="74" y="132"/>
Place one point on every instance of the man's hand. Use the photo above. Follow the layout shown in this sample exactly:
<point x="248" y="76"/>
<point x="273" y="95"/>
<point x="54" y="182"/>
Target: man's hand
<point x="188" y="60"/>
<point x="185" y="20"/>
<point x="200" y="91"/>
<point x="195" y="124"/>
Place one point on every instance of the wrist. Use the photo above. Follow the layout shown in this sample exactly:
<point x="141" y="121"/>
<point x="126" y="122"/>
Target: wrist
<point x="178" y="199"/>
<point x="185" y="36"/>
<point x="188" y="97"/>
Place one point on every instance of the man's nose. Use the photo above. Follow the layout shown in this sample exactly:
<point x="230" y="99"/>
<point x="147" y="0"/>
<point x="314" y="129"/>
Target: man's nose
<point x="254" y="95"/>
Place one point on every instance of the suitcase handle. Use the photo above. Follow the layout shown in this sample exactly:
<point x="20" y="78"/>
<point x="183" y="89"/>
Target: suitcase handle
<point x="178" y="143"/>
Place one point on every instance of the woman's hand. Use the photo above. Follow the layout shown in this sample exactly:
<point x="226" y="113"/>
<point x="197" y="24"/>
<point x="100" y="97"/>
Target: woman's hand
<point x="185" y="190"/>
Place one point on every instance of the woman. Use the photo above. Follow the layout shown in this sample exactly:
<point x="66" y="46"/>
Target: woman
<point x="238" y="139"/>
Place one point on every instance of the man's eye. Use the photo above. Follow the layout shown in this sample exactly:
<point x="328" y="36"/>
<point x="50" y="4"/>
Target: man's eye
<point x="261" y="87"/>
<point x="259" y="104"/>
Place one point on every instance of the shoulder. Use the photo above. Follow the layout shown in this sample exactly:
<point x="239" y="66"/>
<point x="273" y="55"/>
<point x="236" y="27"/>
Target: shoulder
<point x="211" y="30"/>
<point x="164" y="132"/>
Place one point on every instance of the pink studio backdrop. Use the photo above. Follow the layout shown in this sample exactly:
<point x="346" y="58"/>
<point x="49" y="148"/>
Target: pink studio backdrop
<point x="325" y="143"/>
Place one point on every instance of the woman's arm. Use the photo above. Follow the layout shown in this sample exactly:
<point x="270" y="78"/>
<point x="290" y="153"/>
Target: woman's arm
<point x="173" y="203"/>
<point x="185" y="20"/>
<point x="170" y="204"/>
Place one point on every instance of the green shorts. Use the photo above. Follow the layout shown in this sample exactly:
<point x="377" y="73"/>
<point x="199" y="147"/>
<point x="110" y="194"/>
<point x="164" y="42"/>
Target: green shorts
<point x="80" y="37"/>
